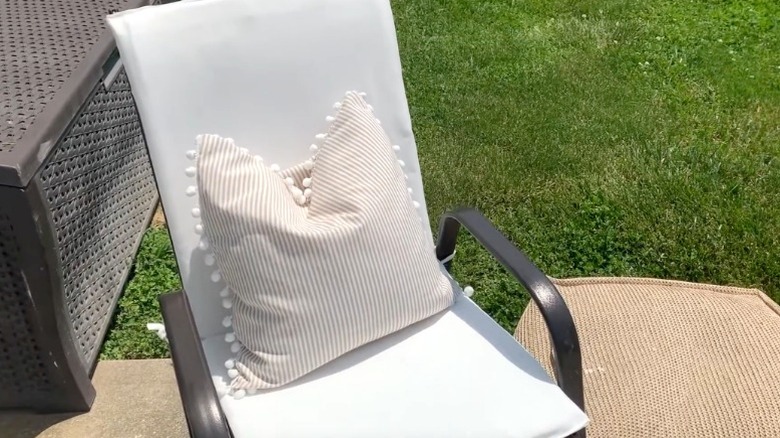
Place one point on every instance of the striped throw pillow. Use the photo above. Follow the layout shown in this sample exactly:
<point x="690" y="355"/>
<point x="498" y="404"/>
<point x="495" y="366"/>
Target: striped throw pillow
<point x="319" y="258"/>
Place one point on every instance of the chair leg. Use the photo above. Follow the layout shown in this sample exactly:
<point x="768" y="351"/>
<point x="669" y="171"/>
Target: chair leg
<point x="199" y="397"/>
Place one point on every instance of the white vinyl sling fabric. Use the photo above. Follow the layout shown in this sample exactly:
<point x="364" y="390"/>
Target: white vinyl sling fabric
<point x="455" y="375"/>
<point x="222" y="67"/>
<point x="262" y="72"/>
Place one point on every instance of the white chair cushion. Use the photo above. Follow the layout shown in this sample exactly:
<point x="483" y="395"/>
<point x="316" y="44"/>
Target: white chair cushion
<point x="456" y="374"/>
<point x="315" y="273"/>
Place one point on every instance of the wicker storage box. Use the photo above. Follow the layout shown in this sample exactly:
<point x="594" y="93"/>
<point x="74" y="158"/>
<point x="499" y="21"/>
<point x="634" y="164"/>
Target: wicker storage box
<point x="76" y="194"/>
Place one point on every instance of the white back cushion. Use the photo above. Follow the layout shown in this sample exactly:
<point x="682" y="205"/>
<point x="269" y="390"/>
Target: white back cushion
<point x="265" y="72"/>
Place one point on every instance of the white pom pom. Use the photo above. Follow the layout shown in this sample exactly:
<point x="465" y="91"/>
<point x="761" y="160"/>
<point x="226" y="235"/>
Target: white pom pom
<point x="209" y="259"/>
<point x="199" y="229"/>
<point x="191" y="191"/>
<point x="396" y="147"/>
<point x="401" y="163"/>
<point x="227" y="321"/>
<point x="289" y="181"/>
<point x="216" y="276"/>
<point x="159" y="329"/>
<point x="337" y="105"/>
<point x="224" y="293"/>
<point x="238" y="395"/>
<point x="307" y="182"/>
<point x="232" y="373"/>
<point x="230" y="337"/>
<point x="198" y="139"/>
<point x="308" y="164"/>
<point x="275" y="167"/>
<point x="416" y="204"/>
<point x="301" y="199"/>
<point x="370" y="108"/>
<point x="409" y="189"/>
<point x="329" y="118"/>
<point x="320" y="136"/>
<point x="235" y="347"/>
<point x="362" y="94"/>
<point x="307" y="193"/>
<point x="227" y="303"/>
<point x="192" y="154"/>
<point x="314" y="148"/>
<point x="203" y="244"/>
<point x="468" y="291"/>
<point x="296" y="192"/>
<point x="258" y="158"/>
<point x="190" y="171"/>
<point x="196" y="212"/>
<point x="230" y="363"/>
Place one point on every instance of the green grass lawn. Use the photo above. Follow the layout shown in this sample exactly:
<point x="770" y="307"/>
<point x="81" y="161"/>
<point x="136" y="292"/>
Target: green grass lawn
<point x="604" y="137"/>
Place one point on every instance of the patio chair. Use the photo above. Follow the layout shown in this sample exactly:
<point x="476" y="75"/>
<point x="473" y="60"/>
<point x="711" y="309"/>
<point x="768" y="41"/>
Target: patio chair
<point x="267" y="73"/>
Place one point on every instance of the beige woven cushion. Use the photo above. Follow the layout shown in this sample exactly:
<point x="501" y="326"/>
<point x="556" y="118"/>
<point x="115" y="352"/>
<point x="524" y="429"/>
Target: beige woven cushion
<point x="671" y="359"/>
<point x="316" y="270"/>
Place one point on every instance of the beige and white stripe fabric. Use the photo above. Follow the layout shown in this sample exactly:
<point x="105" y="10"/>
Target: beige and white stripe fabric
<point x="320" y="258"/>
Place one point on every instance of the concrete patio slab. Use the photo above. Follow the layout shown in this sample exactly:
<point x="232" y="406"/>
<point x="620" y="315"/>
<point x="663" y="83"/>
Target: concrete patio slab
<point x="135" y="399"/>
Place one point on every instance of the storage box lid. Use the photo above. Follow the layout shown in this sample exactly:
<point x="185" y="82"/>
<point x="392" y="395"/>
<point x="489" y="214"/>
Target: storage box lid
<point x="52" y="55"/>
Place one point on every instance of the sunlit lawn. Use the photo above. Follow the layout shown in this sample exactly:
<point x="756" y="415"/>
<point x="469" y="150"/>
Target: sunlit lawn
<point x="603" y="137"/>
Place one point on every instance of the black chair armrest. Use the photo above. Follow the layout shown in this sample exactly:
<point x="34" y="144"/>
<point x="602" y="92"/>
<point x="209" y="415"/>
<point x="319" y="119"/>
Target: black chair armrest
<point x="202" y="410"/>
<point x="567" y="360"/>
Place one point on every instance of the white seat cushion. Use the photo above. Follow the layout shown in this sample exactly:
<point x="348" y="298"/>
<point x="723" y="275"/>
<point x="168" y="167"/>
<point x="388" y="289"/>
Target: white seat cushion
<point x="456" y="374"/>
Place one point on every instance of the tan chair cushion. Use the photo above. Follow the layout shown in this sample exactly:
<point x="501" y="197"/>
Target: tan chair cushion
<point x="671" y="359"/>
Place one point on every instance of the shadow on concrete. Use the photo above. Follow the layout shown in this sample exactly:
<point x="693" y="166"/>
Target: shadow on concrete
<point x="25" y="424"/>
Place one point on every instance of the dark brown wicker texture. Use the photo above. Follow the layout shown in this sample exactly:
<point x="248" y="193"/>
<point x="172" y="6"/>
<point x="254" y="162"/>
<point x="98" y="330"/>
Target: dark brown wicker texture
<point x="76" y="194"/>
